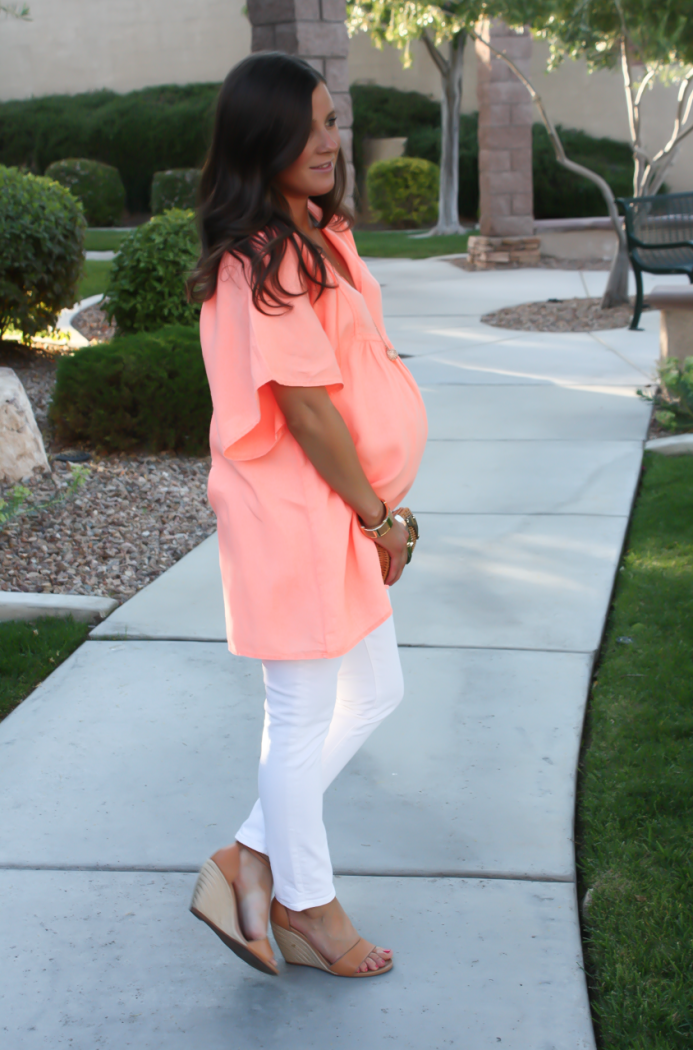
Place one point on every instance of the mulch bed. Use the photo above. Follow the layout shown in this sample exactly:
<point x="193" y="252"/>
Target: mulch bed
<point x="560" y="315"/>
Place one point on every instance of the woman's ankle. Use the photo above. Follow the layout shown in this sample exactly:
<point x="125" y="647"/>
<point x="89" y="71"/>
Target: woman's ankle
<point x="256" y="853"/>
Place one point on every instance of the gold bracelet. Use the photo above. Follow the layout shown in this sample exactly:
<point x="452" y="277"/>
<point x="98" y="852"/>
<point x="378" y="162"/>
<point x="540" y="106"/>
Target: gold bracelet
<point x="382" y="528"/>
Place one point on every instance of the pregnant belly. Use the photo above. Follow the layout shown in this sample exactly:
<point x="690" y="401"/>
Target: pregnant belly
<point x="387" y="419"/>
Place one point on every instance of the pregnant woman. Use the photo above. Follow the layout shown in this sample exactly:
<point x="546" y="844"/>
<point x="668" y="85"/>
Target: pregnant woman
<point x="317" y="433"/>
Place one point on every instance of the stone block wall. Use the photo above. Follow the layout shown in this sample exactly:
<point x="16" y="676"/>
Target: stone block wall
<point x="505" y="151"/>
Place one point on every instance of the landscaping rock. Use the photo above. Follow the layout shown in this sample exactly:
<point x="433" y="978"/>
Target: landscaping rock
<point x="21" y="444"/>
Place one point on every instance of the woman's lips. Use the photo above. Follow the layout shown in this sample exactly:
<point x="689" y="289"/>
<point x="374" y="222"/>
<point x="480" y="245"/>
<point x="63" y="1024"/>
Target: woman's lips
<point x="323" y="167"/>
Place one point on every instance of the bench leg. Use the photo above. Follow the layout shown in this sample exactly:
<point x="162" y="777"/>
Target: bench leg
<point x="638" y="299"/>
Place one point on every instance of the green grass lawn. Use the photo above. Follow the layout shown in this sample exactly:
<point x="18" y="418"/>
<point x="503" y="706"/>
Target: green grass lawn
<point x="95" y="278"/>
<point x="399" y="244"/>
<point x="635" y="799"/>
<point x="104" y="240"/>
<point x="29" y="651"/>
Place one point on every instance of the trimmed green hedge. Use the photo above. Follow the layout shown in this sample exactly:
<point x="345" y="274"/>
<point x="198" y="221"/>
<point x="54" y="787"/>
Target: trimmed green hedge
<point x="98" y="186"/>
<point x="147" y="390"/>
<point x="403" y="192"/>
<point x="41" y="251"/>
<point x="139" y="133"/>
<point x="147" y="283"/>
<point x="169" y="127"/>
<point x="175" y="189"/>
<point x="384" y="112"/>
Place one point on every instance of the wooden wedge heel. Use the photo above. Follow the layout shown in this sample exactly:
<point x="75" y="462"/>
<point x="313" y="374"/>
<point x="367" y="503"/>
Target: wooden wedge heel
<point x="297" y="949"/>
<point x="214" y="902"/>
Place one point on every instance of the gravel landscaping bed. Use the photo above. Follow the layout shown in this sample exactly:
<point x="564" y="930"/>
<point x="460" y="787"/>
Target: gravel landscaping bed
<point x="93" y="324"/>
<point x="560" y="315"/>
<point x="546" y="262"/>
<point x="134" y="517"/>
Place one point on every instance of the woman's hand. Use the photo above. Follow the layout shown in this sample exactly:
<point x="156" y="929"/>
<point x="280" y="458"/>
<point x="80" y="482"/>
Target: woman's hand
<point x="395" y="543"/>
<point x="323" y="435"/>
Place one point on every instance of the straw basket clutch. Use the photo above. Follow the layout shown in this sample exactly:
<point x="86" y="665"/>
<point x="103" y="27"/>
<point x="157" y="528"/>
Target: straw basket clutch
<point x="405" y="515"/>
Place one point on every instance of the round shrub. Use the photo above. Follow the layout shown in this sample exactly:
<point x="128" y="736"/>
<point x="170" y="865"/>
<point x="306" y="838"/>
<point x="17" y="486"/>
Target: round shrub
<point x="142" y="391"/>
<point x="147" y="284"/>
<point x="403" y="192"/>
<point x="41" y="251"/>
<point x="175" y="189"/>
<point x="98" y="186"/>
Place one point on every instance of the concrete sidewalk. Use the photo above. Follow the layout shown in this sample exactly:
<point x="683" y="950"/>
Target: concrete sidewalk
<point x="451" y="831"/>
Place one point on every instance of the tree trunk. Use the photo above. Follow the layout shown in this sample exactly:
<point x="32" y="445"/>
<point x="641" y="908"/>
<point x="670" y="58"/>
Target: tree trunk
<point x="450" y="101"/>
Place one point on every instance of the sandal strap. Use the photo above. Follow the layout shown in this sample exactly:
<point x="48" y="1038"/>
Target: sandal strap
<point x="348" y="964"/>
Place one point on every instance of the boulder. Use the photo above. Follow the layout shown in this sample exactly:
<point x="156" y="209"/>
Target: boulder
<point x="21" y="444"/>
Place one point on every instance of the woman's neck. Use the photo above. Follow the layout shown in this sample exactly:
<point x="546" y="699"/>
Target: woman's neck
<point x="298" y="206"/>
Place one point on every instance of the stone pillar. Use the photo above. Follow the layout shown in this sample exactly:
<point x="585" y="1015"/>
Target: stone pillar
<point x="505" y="153"/>
<point x="315" y="30"/>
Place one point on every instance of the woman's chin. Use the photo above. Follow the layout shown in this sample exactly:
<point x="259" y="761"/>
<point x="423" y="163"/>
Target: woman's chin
<point x="322" y="185"/>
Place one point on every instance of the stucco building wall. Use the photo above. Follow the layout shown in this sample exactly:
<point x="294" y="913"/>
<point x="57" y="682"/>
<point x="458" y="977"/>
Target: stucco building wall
<point x="80" y="45"/>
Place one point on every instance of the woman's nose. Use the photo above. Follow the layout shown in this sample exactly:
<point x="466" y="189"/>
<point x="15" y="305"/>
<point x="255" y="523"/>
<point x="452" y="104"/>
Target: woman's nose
<point x="330" y="143"/>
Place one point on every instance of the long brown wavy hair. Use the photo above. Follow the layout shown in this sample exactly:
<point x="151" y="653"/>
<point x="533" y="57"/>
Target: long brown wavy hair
<point x="263" y="120"/>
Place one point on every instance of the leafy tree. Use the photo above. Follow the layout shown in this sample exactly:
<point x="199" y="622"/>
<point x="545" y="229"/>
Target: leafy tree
<point x="649" y="40"/>
<point x="443" y="28"/>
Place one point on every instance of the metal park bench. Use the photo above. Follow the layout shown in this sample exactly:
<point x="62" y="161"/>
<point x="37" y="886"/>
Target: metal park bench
<point x="660" y="237"/>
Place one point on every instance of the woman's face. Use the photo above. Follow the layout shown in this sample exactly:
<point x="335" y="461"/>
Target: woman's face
<point x="312" y="174"/>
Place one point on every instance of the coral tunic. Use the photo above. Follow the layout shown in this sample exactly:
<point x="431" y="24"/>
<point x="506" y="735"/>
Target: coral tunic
<point x="300" y="579"/>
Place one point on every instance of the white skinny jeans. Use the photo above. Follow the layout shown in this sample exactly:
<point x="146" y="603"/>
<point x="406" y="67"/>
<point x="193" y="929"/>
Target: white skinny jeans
<point x="317" y="715"/>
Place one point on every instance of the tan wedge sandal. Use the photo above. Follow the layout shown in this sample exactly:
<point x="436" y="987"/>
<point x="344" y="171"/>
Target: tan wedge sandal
<point x="214" y="902"/>
<point x="296" y="949"/>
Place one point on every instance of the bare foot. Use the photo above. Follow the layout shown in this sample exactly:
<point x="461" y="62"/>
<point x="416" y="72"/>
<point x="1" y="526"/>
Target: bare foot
<point x="253" y="886"/>
<point x="330" y="930"/>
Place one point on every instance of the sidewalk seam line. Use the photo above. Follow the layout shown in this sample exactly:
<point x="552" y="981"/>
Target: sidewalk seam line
<point x="189" y="869"/>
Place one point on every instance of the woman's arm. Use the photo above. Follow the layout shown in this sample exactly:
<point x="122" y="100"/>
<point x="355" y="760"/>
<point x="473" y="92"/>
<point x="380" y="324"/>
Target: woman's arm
<point x="323" y="435"/>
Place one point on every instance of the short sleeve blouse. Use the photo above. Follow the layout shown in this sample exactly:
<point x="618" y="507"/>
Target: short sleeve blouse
<point x="300" y="579"/>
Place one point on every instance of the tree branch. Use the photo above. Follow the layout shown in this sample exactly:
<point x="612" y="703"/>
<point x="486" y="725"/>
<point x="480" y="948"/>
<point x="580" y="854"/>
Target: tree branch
<point x="683" y="112"/>
<point x="442" y="63"/>
<point x="643" y="84"/>
<point x="633" y="115"/>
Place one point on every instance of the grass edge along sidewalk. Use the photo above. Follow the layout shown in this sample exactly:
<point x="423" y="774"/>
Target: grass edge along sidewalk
<point x="30" y="650"/>
<point x="635" y="789"/>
